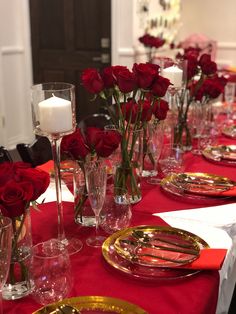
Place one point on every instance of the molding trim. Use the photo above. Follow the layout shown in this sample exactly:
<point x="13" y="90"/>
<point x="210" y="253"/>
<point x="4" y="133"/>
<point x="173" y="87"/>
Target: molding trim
<point x="12" y="50"/>
<point x="226" y="45"/>
<point x="126" y="52"/>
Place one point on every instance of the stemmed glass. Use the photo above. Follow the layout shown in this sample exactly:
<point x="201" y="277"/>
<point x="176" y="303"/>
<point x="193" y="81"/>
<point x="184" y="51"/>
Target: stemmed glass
<point x="156" y="141"/>
<point x="229" y="98"/>
<point x="96" y="179"/>
<point x="53" y="114"/>
<point x="5" y="252"/>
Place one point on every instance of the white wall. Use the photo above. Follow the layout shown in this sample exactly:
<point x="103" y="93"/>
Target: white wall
<point x="215" y="19"/>
<point x="15" y="73"/>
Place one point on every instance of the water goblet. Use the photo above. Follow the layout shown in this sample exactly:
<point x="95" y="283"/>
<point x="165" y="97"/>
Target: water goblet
<point x="116" y="213"/>
<point x="229" y="98"/>
<point x="155" y="144"/>
<point x="53" y="114"/>
<point x="96" y="179"/>
<point x="5" y="252"/>
<point x="171" y="160"/>
<point x="50" y="272"/>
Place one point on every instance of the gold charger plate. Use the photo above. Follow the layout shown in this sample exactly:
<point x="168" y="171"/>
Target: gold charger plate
<point x="197" y="185"/>
<point x="223" y="154"/>
<point x="96" y="305"/>
<point x="230" y="131"/>
<point x="157" y="247"/>
<point x="135" y="270"/>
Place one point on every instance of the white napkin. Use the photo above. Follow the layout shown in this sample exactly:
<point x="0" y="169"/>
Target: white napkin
<point x="216" y="238"/>
<point x="222" y="216"/>
<point x="50" y="194"/>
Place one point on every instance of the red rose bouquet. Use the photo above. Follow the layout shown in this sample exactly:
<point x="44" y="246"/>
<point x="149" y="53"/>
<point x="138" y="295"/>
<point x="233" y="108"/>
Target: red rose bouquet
<point x="133" y="98"/>
<point x="88" y="144"/>
<point x="20" y="186"/>
<point x="202" y="84"/>
<point x="151" y="43"/>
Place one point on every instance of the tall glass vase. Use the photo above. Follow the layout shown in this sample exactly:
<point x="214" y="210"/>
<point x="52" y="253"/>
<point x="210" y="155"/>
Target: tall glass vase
<point x="53" y="113"/>
<point x="18" y="283"/>
<point x="129" y="171"/>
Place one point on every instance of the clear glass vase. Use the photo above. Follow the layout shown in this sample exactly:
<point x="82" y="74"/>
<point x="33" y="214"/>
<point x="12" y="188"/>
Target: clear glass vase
<point x="18" y="283"/>
<point x="129" y="171"/>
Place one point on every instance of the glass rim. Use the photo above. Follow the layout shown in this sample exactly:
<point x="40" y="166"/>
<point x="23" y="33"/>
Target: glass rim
<point x="67" y="86"/>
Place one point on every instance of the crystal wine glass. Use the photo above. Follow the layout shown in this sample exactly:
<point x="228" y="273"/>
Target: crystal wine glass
<point x="5" y="252"/>
<point x="96" y="178"/>
<point x="156" y="141"/>
<point x="53" y="113"/>
<point x="229" y="98"/>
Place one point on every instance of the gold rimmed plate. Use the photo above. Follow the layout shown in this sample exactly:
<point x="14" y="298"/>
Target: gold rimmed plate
<point x="223" y="154"/>
<point x="198" y="185"/>
<point x="157" y="247"/>
<point x="95" y="305"/>
<point x="139" y="271"/>
<point x="230" y="131"/>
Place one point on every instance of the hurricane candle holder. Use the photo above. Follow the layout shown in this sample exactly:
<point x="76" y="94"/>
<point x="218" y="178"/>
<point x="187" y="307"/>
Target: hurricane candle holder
<point x="53" y="113"/>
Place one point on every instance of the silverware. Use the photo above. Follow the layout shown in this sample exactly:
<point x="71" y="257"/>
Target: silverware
<point x="61" y="309"/>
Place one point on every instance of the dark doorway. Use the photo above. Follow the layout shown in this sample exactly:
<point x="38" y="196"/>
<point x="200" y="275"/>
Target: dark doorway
<point x="68" y="36"/>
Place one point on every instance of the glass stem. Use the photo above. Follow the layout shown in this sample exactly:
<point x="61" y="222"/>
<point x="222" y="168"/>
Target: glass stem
<point x="97" y="223"/>
<point x="55" y="143"/>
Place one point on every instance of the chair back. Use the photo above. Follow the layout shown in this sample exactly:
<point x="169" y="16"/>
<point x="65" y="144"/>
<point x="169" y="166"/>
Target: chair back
<point x="4" y="155"/>
<point x="36" y="153"/>
<point x="99" y="120"/>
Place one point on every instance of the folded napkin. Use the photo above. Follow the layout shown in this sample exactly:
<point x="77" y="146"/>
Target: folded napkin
<point x="208" y="259"/>
<point x="47" y="167"/>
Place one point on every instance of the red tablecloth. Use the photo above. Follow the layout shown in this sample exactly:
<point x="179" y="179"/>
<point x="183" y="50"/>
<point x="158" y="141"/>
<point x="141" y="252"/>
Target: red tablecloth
<point x="196" y="294"/>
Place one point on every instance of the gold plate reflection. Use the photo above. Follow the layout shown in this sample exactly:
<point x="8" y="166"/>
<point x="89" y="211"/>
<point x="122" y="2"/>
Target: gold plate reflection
<point x="98" y="304"/>
<point x="169" y="247"/>
<point x="141" y="272"/>
<point x="199" y="183"/>
<point x="221" y="153"/>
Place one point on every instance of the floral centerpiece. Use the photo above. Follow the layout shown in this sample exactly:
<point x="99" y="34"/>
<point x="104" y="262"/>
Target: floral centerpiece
<point x="151" y="43"/>
<point x="132" y="98"/>
<point x="83" y="145"/>
<point x="20" y="186"/>
<point x="202" y="84"/>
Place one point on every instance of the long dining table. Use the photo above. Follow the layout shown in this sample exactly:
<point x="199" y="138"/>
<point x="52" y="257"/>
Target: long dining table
<point x="196" y="294"/>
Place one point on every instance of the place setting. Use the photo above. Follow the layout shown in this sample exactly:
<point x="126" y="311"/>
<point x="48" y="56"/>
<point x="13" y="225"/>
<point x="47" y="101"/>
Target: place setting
<point x="199" y="187"/>
<point x="157" y="253"/>
<point x="222" y="154"/>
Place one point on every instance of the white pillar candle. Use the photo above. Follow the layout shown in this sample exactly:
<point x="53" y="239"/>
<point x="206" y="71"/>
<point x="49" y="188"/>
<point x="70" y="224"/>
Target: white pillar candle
<point x="174" y="74"/>
<point x="55" y="115"/>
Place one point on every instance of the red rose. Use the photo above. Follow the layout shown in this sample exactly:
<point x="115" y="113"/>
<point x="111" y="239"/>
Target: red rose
<point x="103" y="142"/>
<point x="94" y="137"/>
<point x="74" y="144"/>
<point x="160" y="86"/>
<point x="15" y="197"/>
<point x="209" y="68"/>
<point x="126" y="81"/>
<point x="92" y="81"/>
<point x="212" y="87"/>
<point x="205" y="58"/>
<point x="108" y="77"/>
<point x="160" y="109"/>
<point x="6" y="172"/>
<point x="192" y="68"/>
<point x="130" y="111"/>
<point x="110" y="142"/>
<point x="37" y="178"/>
<point x="146" y="110"/>
<point x="145" y="74"/>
